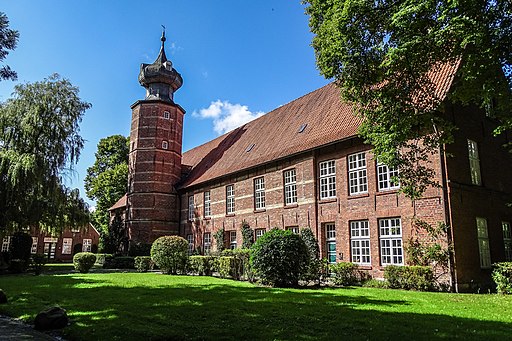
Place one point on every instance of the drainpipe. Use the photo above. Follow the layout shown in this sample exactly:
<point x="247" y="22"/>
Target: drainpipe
<point x="448" y="217"/>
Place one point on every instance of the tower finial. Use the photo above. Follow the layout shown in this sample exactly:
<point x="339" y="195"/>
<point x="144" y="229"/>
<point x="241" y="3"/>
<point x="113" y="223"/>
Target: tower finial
<point x="163" y="35"/>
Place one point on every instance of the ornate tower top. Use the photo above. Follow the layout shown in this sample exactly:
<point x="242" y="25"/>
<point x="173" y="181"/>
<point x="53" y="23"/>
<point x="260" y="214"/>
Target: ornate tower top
<point x="160" y="79"/>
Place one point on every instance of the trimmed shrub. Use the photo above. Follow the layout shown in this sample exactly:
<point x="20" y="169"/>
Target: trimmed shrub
<point x="83" y="261"/>
<point x="312" y="272"/>
<point x="419" y="278"/>
<point x="143" y="263"/>
<point x="240" y="266"/>
<point x="102" y="257"/>
<point x="344" y="273"/>
<point x="247" y="235"/>
<point x="227" y="266"/>
<point x="38" y="262"/>
<point x="201" y="265"/>
<point x="20" y="246"/>
<point x="502" y="276"/>
<point x="279" y="258"/>
<point x="121" y="262"/>
<point x="170" y="254"/>
<point x="219" y="239"/>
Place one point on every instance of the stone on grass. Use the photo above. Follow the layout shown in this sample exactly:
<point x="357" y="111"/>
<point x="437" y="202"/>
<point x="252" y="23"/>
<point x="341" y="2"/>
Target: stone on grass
<point x="52" y="318"/>
<point x="3" y="297"/>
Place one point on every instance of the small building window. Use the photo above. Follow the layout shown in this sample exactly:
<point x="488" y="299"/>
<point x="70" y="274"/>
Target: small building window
<point x="167" y="115"/>
<point x="5" y="243"/>
<point x="327" y="179"/>
<point x="87" y="245"/>
<point x="249" y="148"/>
<point x="483" y="243"/>
<point x="294" y="229"/>
<point x="190" y="240"/>
<point x="259" y="193"/>
<point x="232" y="240"/>
<point x="386" y="177"/>
<point x="391" y="251"/>
<point x="330" y="238"/>
<point x="507" y="240"/>
<point x="33" y="248"/>
<point x="191" y="208"/>
<point x="290" y="187"/>
<point x="165" y="145"/>
<point x="207" y="243"/>
<point x="230" y="199"/>
<point x="360" y="242"/>
<point x="207" y="204"/>
<point x="302" y="128"/>
<point x="474" y="163"/>
<point x="258" y="233"/>
<point x="357" y="179"/>
<point x="67" y="245"/>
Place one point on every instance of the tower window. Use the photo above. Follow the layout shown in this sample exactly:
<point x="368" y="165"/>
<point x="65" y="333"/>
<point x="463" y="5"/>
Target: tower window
<point x="167" y="115"/>
<point x="165" y="145"/>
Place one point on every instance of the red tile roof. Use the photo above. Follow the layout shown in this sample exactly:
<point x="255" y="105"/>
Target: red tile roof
<point x="119" y="204"/>
<point x="276" y="134"/>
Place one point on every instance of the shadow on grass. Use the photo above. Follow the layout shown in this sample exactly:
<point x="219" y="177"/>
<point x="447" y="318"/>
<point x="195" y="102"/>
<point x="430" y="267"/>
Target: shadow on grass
<point x="166" y="307"/>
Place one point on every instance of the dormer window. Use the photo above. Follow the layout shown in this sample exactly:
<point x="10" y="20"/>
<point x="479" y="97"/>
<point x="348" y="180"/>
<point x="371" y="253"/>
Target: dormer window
<point x="165" y="145"/>
<point x="167" y="115"/>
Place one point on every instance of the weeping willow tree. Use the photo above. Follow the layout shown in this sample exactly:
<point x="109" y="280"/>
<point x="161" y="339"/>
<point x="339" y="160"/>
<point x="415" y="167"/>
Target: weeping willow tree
<point x="39" y="146"/>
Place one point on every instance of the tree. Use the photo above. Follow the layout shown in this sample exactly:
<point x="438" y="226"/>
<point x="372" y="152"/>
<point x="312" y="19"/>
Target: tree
<point x="39" y="145"/>
<point x="382" y="54"/>
<point x="115" y="238"/>
<point x="8" y="41"/>
<point x="106" y="180"/>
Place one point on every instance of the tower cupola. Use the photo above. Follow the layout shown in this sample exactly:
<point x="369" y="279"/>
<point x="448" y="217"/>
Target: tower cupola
<point x="160" y="79"/>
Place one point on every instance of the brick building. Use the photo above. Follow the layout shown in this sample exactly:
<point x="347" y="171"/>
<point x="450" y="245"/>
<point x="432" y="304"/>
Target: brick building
<point x="303" y="165"/>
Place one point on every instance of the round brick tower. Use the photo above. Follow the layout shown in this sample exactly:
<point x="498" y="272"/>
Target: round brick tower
<point x="155" y="154"/>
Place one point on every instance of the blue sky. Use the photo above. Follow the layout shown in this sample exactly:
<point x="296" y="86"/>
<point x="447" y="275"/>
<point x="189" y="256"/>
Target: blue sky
<point x="238" y="59"/>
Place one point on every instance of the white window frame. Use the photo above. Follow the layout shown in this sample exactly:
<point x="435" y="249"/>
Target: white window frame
<point x="33" y="248"/>
<point x="391" y="245"/>
<point x="290" y="187"/>
<point x="360" y="242"/>
<point x="167" y="115"/>
<point x="86" y="245"/>
<point x="474" y="163"/>
<point x="6" y="242"/>
<point x="330" y="239"/>
<point x="484" y="248"/>
<point x="165" y="144"/>
<point x="294" y="229"/>
<point x="259" y="193"/>
<point x="232" y="240"/>
<point x="67" y="246"/>
<point x="207" y="204"/>
<point x="207" y="243"/>
<point x="385" y="176"/>
<point x="191" y="208"/>
<point x="258" y="233"/>
<point x="190" y="240"/>
<point x="357" y="174"/>
<point x="327" y="179"/>
<point x="507" y="240"/>
<point x="230" y="199"/>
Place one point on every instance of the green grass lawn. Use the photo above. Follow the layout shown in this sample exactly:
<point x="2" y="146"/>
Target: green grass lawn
<point x="150" y="306"/>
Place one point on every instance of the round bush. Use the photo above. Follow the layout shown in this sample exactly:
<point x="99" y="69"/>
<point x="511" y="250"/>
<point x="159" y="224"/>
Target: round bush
<point x="279" y="257"/>
<point x="170" y="254"/>
<point x="83" y="261"/>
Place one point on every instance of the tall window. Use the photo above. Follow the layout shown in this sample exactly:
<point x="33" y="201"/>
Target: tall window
<point x="230" y="199"/>
<point x="190" y="207"/>
<point x="290" y="187"/>
<point x="67" y="246"/>
<point x="360" y="242"/>
<point x="385" y="175"/>
<point x="330" y="238"/>
<point x="232" y="240"/>
<point x="207" y="204"/>
<point x="190" y="240"/>
<point x="165" y="145"/>
<point x="391" y="251"/>
<point x="507" y="240"/>
<point x="474" y="163"/>
<point x="327" y="179"/>
<point x="207" y="243"/>
<point x="259" y="193"/>
<point x="167" y="115"/>
<point x="258" y="233"/>
<point x="483" y="243"/>
<point x="5" y="243"/>
<point x="87" y="245"/>
<point x="33" y="248"/>
<point x="358" y="182"/>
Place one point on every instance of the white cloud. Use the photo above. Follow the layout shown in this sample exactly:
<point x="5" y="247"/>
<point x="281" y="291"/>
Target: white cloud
<point x="227" y="116"/>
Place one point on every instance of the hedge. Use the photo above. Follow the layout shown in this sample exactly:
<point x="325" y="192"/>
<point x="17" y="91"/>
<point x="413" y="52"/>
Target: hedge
<point x="502" y="276"/>
<point x="419" y="278"/>
<point x="201" y="265"/>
